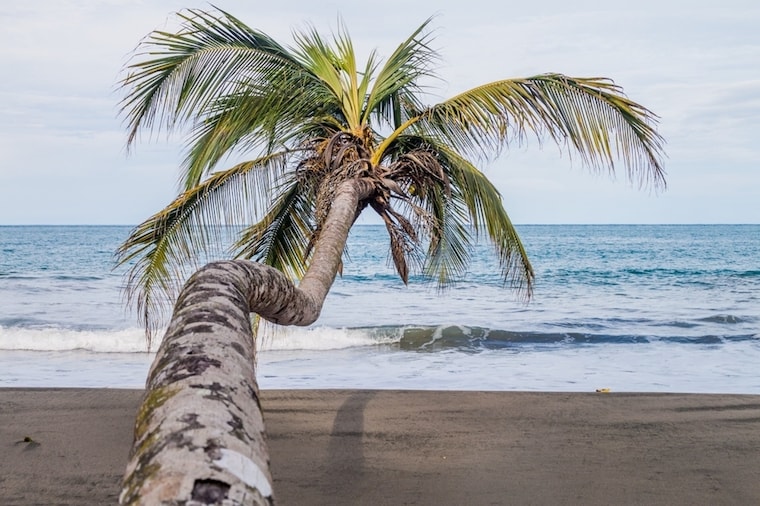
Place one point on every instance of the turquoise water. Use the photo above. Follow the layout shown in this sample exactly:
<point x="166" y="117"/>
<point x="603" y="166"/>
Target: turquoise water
<point x="646" y="308"/>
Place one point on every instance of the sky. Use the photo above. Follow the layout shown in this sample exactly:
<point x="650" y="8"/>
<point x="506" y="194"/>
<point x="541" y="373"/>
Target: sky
<point x="63" y="157"/>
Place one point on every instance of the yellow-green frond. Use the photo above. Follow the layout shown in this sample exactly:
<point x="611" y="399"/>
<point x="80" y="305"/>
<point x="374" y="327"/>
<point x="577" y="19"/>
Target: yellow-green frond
<point x="591" y="115"/>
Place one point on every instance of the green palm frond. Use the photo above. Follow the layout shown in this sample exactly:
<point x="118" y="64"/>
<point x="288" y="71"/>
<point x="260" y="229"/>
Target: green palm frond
<point x="215" y="137"/>
<point x="450" y="243"/>
<point x="426" y="195"/>
<point x="488" y="217"/>
<point x="424" y="165"/>
<point x="164" y="247"/>
<point x="231" y="129"/>
<point x="590" y="114"/>
<point x="282" y="238"/>
<point x="397" y="84"/>
<point x="335" y="67"/>
<point x="211" y="56"/>
<point x="232" y="84"/>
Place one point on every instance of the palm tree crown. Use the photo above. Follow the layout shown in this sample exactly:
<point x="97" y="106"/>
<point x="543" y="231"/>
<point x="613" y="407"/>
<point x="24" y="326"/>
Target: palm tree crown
<point x="308" y="119"/>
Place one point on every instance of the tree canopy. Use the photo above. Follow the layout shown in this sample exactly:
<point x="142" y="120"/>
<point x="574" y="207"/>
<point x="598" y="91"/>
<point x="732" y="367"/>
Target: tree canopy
<point x="309" y="117"/>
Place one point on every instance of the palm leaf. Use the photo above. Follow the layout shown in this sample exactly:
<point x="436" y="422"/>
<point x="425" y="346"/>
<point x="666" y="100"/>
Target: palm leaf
<point x="450" y="243"/>
<point x="592" y="115"/>
<point x="488" y="217"/>
<point x="210" y="56"/>
<point x="426" y="163"/>
<point x="162" y="249"/>
<point x="397" y="82"/>
<point x="232" y="83"/>
<point x="281" y="239"/>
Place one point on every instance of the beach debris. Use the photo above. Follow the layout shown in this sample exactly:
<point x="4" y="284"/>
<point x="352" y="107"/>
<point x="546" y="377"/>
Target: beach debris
<point x="30" y="443"/>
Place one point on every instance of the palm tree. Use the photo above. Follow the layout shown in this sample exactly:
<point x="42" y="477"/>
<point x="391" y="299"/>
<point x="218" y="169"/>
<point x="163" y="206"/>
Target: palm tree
<point x="326" y="139"/>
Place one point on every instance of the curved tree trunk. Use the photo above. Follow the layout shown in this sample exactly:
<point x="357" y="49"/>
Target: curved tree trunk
<point x="199" y="433"/>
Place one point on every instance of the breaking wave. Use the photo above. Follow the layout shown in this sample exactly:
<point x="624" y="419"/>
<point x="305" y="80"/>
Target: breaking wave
<point x="422" y="338"/>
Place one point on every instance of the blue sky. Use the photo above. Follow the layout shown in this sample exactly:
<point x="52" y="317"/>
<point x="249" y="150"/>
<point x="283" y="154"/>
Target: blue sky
<point x="62" y="143"/>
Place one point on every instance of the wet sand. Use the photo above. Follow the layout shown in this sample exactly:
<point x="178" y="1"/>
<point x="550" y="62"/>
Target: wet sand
<point x="417" y="447"/>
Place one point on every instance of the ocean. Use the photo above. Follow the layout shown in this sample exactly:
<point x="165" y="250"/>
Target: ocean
<point x="645" y="308"/>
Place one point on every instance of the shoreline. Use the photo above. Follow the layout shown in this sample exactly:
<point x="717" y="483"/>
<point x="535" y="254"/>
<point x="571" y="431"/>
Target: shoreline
<point x="417" y="447"/>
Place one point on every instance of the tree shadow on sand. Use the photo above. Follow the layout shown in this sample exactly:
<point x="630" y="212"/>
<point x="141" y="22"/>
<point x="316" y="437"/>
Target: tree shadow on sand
<point x="345" y="452"/>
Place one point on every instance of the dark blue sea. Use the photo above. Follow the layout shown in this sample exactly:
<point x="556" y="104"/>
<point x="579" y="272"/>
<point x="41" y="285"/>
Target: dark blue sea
<point x="671" y="308"/>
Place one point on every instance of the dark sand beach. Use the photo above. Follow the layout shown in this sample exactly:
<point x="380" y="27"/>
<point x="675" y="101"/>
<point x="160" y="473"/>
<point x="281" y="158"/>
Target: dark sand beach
<point x="417" y="447"/>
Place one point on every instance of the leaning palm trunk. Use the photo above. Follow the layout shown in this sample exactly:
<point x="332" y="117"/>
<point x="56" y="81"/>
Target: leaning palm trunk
<point x="199" y="433"/>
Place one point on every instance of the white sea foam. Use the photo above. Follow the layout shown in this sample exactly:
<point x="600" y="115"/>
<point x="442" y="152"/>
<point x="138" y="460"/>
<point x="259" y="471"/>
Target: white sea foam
<point x="323" y="338"/>
<point x="656" y="367"/>
<point x="132" y="340"/>
<point x="57" y="339"/>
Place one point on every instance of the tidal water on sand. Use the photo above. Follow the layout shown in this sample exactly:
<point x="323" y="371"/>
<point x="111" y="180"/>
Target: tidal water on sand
<point x="671" y="308"/>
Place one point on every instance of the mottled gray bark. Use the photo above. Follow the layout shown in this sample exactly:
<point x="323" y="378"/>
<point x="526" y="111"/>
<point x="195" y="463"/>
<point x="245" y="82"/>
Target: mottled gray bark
<point x="199" y="434"/>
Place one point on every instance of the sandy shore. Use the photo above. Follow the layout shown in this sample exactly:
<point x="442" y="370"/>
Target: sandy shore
<point x="424" y="448"/>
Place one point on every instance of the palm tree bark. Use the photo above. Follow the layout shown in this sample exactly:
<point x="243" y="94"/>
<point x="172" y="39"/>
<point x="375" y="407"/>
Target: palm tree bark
<point x="199" y="433"/>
